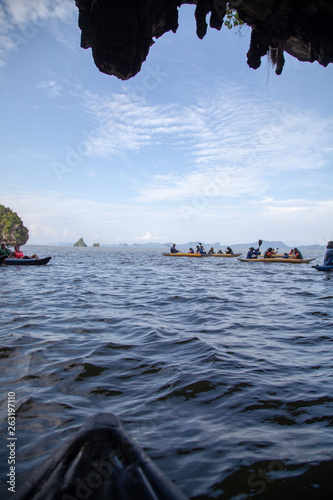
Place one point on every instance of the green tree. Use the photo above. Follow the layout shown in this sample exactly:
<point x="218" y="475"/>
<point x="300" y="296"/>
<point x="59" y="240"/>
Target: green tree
<point x="232" y="19"/>
<point x="12" y="229"/>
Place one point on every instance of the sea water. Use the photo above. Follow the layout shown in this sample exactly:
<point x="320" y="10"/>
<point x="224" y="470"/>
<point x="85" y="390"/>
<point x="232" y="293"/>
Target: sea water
<point x="220" y="370"/>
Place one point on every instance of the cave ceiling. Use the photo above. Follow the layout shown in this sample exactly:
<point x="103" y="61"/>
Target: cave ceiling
<point x="121" y="32"/>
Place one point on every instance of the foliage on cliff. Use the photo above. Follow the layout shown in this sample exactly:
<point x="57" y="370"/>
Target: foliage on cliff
<point x="232" y="19"/>
<point x="12" y="229"/>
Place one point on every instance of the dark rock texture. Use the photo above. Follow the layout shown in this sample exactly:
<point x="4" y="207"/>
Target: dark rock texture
<point x="121" y="32"/>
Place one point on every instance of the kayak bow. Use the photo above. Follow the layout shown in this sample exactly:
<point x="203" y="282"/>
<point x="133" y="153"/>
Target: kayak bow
<point x="100" y="462"/>
<point x="324" y="268"/>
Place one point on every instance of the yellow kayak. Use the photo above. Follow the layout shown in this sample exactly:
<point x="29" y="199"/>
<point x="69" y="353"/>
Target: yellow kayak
<point x="225" y="254"/>
<point x="187" y="254"/>
<point x="184" y="254"/>
<point x="275" y="255"/>
<point x="275" y="260"/>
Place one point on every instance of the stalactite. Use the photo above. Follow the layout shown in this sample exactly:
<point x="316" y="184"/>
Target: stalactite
<point x="121" y="32"/>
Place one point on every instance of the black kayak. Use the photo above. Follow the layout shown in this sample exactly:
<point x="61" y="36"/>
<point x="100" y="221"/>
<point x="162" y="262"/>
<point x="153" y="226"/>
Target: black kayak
<point x="324" y="268"/>
<point x="10" y="261"/>
<point x="100" y="462"/>
<point x="2" y="258"/>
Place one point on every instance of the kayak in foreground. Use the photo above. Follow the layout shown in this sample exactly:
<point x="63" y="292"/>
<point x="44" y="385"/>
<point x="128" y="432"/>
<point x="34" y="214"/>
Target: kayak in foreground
<point x="26" y="262"/>
<point x="2" y="258"/>
<point x="275" y="260"/>
<point x="184" y="254"/>
<point x="100" y="462"/>
<point x="324" y="268"/>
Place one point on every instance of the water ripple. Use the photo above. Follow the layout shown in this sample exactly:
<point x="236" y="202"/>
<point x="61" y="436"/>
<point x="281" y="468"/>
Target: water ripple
<point x="220" y="370"/>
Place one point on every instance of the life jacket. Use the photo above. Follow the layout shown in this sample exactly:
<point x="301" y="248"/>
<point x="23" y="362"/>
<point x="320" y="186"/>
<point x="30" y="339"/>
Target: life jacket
<point x="328" y="258"/>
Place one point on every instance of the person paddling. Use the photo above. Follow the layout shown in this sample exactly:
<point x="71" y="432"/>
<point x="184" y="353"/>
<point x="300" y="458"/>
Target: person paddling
<point x="200" y="249"/>
<point x="173" y="249"/>
<point x="4" y="250"/>
<point x="297" y="254"/>
<point x="328" y="257"/>
<point x="269" y="253"/>
<point x="18" y="254"/>
<point x="252" y="253"/>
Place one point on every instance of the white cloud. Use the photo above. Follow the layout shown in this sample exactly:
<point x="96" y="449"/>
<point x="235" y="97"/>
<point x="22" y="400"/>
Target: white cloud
<point x="51" y="88"/>
<point x="38" y="231"/>
<point x="282" y="207"/>
<point x="53" y="216"/>
<point x="231" y="143"/>
<point x="21" y="12"/>
<point x="295" y="219"/>
<point x="22" y="153"/>
<point x="207" y="183"/>
<point x="147" y="237"/>
<point x="22" y="20"/>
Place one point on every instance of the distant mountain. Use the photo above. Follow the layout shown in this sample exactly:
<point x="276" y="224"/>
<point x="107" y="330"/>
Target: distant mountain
<point x="313" y="247"/>
<point x="149" y="245"/>
<point x="60" y="244"/>
<point x="217" y="246"/>
<point x="265" y="244"/>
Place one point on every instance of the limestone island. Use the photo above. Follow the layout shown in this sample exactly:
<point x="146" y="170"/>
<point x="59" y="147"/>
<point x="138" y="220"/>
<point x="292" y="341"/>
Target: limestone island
<point x="80" y="243"/>
<point x="12" y="229"/>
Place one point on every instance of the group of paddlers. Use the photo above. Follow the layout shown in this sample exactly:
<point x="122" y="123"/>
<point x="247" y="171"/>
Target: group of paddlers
<point x="294" y="253"/>
<point x="16" y="254"/>
<point x="270" y="253"/>
<point x="200" y="249"/>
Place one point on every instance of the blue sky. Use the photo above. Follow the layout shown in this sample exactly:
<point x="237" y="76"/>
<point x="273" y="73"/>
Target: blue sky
<point x="197" y="146"/>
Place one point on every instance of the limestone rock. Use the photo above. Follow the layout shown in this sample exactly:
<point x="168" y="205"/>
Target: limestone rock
<point x="80" y="243"/>
<point x="12" y="229"/>
<point x="121" y="32"/>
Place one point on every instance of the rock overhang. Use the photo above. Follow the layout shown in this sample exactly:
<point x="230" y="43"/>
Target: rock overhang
<point x="121" y="32"/>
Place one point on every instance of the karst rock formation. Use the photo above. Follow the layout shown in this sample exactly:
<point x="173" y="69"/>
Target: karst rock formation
<point x="121" y="32"/>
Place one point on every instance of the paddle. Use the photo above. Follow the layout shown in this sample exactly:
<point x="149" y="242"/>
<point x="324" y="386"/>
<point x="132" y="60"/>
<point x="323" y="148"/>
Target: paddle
<point x="259" y="243"/>
<point x="202" y="248"/>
